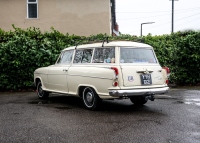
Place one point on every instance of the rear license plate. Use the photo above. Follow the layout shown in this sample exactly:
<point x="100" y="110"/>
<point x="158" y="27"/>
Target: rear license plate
<point x="146" y="79"/>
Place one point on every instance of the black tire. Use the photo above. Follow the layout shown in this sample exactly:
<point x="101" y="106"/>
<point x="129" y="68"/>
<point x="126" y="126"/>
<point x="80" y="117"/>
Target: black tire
<point x="40" y="92"/>
<point x="138" y="101"/>
<point x="90" y="99"/>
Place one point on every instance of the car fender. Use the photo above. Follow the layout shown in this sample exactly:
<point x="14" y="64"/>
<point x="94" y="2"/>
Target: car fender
<point x="86" y="85"/>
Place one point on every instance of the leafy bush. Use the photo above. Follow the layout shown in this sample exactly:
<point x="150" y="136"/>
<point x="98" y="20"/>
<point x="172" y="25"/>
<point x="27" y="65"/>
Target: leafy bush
<point x="23" y="51"/>
<point x="181" y="53"/>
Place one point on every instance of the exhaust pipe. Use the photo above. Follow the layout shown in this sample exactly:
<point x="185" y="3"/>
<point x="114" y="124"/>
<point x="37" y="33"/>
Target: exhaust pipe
<point x="150" y="97"/>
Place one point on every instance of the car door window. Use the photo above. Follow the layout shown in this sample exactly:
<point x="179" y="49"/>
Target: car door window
<point x="66" y="57"/>
<point x="83" y="56"/>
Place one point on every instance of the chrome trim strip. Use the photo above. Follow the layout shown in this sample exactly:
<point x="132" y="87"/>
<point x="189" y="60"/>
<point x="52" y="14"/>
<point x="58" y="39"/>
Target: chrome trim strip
<point x="91" y="76"/>
<point x="64" y="73"/>
<point x="40" y="73"/>
<point x="79" y="75"/>
<point x="138" y="92"/>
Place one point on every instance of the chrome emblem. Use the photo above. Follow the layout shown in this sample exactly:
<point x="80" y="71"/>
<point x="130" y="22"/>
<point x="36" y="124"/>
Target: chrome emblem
<point x="130" y="78"/>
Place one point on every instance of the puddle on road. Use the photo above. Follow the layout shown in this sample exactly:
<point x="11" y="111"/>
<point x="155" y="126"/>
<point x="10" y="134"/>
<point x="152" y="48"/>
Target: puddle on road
<point x="63" y="108"/>
<point x="192" y="101"/>
<point x="180" y="102"/>
<point x="198" y="104"/>
<point x="41" y="102"/>
<point x="188" y="100"/>
<point x="49" y="102"/>
<point x="169" y="97"/>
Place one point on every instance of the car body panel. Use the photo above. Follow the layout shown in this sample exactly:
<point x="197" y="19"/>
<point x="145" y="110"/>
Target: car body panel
<point x="57" y="78"/>
<point x="101" y="77"/>
<point x="136" y="71"/>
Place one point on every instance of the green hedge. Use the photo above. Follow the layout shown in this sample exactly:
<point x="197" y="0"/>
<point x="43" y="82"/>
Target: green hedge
<point x="180" y="52"/>
<point x="23" y="51"/>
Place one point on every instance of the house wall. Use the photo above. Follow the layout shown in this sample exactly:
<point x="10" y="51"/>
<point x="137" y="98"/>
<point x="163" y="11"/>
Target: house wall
<point x="79" y="17"/>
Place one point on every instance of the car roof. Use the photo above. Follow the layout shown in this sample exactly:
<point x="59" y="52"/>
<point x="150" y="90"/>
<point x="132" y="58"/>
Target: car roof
<point x="111" y="44"/>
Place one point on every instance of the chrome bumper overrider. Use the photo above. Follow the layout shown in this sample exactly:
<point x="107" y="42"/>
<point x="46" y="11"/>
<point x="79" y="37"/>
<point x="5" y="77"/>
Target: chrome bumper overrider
<point x="137" y="92"/>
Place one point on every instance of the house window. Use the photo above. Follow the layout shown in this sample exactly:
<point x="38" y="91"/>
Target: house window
<point x="32" y="8"/>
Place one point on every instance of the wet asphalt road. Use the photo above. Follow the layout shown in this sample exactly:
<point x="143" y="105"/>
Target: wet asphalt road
<point x="171" y="118"/>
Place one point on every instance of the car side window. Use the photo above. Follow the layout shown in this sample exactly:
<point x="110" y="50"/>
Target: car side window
<point x="83" y="56"/>
<point x="104" y="55"/>
<point x="66" y="57"/>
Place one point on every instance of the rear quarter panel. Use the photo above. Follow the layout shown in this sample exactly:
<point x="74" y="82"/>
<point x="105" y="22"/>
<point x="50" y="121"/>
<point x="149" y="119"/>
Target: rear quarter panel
<point x="99" y="77"/>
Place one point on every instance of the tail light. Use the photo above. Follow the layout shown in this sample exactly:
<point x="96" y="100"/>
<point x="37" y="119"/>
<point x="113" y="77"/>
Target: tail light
<point x="167" y="81"/>
<point x="116" y="70"/>
<point x="115" y="83"/>
<point x="167" y="70"/>
<point x="168" y="74"/>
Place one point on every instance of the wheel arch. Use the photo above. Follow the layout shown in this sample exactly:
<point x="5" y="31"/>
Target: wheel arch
<point x="81" y="87"/>
<point x="37" y="79"/>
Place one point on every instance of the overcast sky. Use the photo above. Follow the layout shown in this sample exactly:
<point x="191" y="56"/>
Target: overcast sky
<point x="131" y="13"/>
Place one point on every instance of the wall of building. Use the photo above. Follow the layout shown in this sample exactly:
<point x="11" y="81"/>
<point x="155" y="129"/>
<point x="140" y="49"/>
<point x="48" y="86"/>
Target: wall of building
<point x="79" y="17"/>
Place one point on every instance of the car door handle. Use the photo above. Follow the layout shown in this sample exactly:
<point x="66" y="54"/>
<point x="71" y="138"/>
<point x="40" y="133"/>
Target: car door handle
<point x="65" y="70"/>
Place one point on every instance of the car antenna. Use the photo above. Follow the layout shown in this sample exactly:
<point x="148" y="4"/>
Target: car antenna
<point x="76" y="44"/>
<point x="104" y="41"/>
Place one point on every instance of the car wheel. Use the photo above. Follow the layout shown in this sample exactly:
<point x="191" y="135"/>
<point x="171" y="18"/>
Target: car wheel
<point x="40" y="92"/>
<point x="138" y="100"/>
<point x="90" y="98"/>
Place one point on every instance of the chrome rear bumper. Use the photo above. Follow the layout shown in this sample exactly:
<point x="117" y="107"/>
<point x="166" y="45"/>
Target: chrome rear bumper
<point x="138" y="92"/>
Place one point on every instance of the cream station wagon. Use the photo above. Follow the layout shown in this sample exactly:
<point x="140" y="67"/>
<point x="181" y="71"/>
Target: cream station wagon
<point x="95" y="72"/>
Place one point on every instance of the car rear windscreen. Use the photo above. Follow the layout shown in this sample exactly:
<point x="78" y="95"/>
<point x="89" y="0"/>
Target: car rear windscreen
<point x="137" y="55"/>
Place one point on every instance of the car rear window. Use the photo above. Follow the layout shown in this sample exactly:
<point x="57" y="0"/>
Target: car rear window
<point x="137" y="55"/>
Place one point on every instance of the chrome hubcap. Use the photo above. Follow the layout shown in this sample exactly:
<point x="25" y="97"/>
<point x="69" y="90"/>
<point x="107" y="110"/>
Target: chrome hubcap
<point x="89" y="97"/>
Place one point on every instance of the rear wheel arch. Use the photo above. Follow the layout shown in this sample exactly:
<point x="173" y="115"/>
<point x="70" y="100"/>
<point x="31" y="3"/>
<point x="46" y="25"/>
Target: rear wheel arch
<point x="80" y="91"/>
<point x="82" y="87"/>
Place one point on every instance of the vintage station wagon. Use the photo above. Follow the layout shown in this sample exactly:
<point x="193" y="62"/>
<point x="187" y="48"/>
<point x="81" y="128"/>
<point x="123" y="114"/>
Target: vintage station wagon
<point x="95" y="72"/>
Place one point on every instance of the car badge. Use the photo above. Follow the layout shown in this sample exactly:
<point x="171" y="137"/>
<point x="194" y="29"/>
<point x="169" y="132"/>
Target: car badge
<point x="130" y="78"/>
